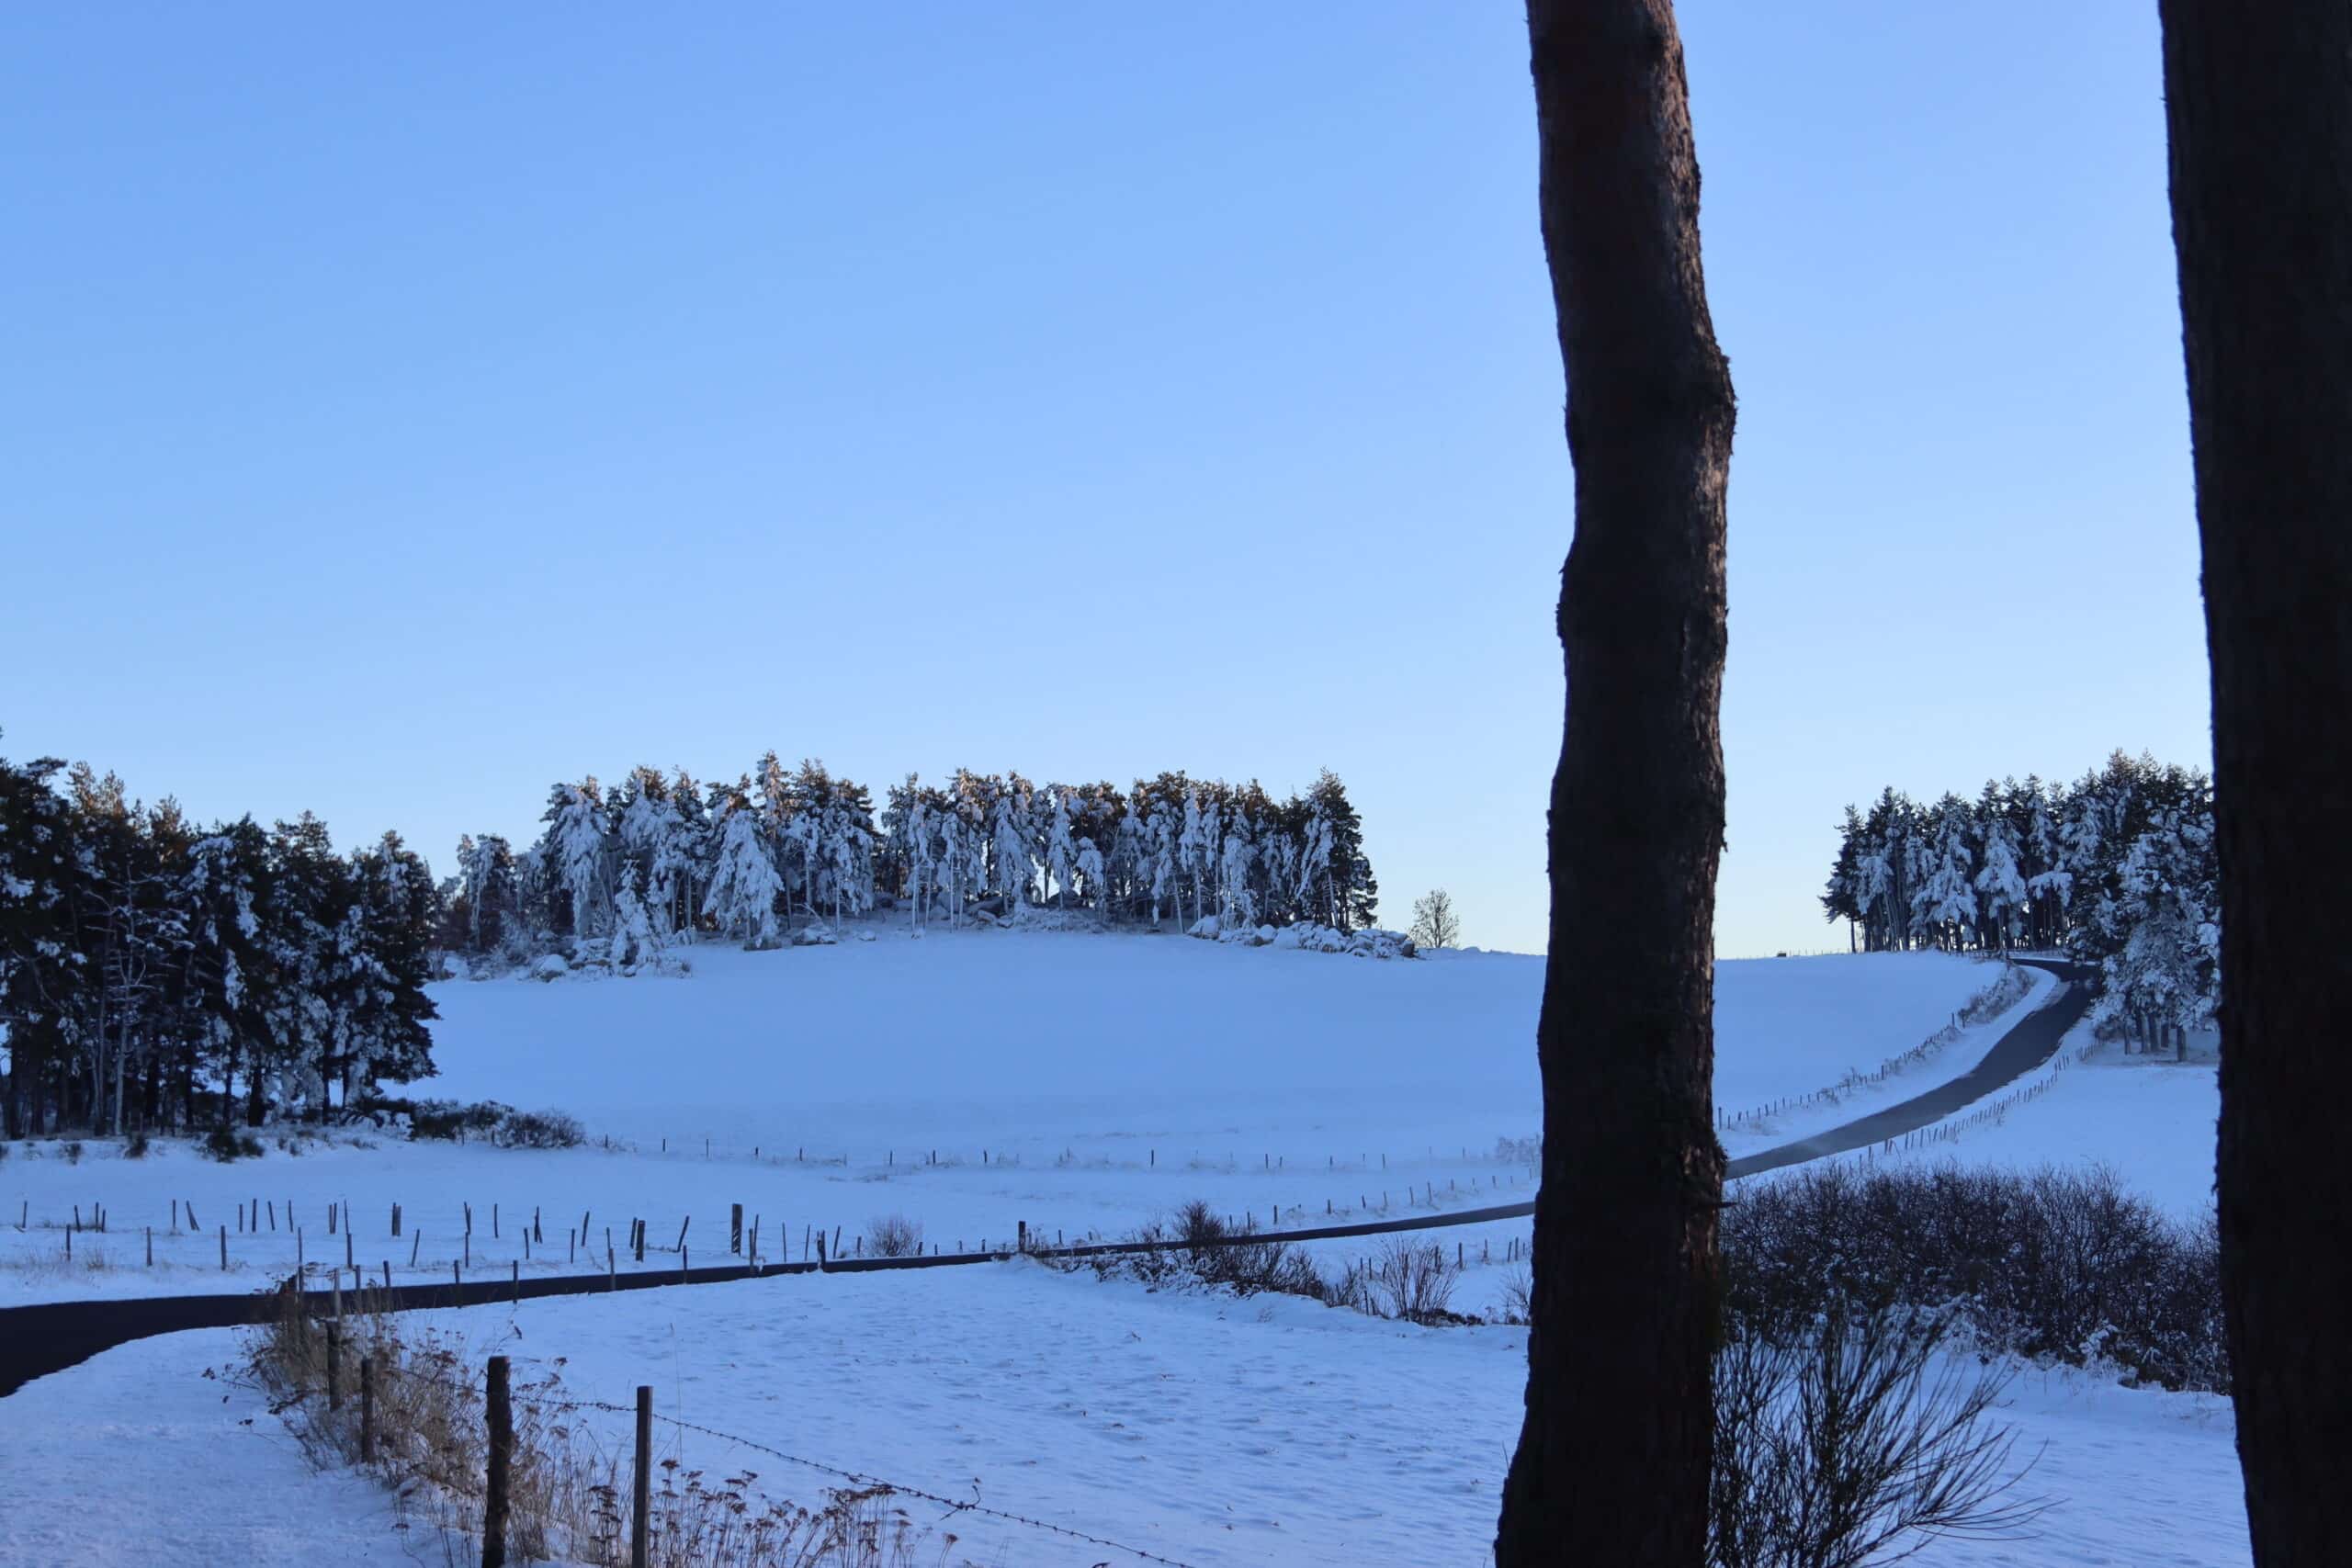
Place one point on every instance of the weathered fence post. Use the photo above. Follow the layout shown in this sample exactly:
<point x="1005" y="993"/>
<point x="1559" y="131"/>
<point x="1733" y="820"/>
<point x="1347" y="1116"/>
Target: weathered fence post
<point x="334" y="1365"/>
<point x="502" y="1461"/>
<point x="224" y="1249"/>
<point x="367" y="1409"/>
<point x="640" y="1484"/>
<point x="735" y="1230"/>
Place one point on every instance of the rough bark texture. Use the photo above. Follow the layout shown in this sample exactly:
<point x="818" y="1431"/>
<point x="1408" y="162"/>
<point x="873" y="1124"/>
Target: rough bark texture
<point x="1613" y="1454"/>
<point x="2259" y="101"/>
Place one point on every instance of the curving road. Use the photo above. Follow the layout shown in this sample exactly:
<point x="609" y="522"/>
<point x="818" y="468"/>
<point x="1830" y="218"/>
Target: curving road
<point x="50" y="1337"/>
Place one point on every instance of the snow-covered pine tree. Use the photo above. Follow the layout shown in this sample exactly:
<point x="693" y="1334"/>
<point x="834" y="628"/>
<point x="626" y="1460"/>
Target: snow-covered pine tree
<point x="2001" y="890"/>
<point x="745" y="887"/>
<point x="577" y="852"/>
<point x="1061" y="849"/>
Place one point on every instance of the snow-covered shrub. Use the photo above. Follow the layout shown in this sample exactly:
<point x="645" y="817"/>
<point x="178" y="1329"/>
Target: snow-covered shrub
<point x="1371" y="943"/>
<point x="224" y="1144"/>
<point x="1205" y="927"/>
<point x="449" y="1120"/>
<point x="815" y="934"/>
<point x="1520" y="1151"/>
<point x="549" y="967"/>
<point x="537" y="1129"/>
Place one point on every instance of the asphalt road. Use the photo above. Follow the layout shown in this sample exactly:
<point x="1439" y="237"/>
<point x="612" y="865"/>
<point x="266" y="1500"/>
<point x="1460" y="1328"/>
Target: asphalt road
<point x="51" y="1335"/>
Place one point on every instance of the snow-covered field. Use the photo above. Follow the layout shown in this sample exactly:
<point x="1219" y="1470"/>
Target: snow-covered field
<point x="1083" y="1084"/>
<point x="1211" y="1431"/>
<point x="2148" y="1120"/>
<point x="1080" y="1083"/>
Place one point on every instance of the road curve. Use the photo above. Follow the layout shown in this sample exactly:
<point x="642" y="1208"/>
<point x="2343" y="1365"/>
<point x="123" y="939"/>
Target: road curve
<point x="51" y="1335"/>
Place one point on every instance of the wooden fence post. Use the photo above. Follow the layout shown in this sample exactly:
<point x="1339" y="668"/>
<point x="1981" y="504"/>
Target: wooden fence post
<point x="735" y="1230"/>
<point x="367" y="1409"/>
<point x="224" y="1249"/>
<point x="502" y="1460"/>
<point x="640" y="1497"/>
<point x="334" y="1365"/>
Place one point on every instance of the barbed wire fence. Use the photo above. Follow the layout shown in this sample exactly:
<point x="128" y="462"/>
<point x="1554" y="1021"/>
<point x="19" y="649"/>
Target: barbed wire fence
<point x="354" y="1405"/>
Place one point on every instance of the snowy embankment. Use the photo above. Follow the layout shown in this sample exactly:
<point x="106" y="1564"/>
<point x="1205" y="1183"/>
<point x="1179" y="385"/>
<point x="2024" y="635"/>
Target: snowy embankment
<point x="2004" y="994"/>
<point x="2148" y="1120"/>
<point x="1083" y="1084"/>
<point x="1213" y="1431"/>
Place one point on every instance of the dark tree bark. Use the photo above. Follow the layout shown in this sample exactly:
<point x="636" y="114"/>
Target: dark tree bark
<point x="2259" y="104"/>
<point x="1613" y="1458"/>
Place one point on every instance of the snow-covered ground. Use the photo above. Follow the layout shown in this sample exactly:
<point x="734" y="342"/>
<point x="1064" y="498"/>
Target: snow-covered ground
<point x="1212" y="1431"/>
<point x="1931" y="1063"/>
<point x="1080" y="1083"/>
<point x="1083" y="1084"/>
<point x="2149" y="1120"/>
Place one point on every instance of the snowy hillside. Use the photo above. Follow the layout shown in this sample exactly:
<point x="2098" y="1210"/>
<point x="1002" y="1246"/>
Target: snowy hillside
<point x="1083" y="1084"/>
<point x="1020" y="1036"/>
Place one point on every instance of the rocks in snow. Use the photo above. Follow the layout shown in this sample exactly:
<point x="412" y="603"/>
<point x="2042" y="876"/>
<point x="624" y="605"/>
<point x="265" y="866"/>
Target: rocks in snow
<point x="1369" y="943"/>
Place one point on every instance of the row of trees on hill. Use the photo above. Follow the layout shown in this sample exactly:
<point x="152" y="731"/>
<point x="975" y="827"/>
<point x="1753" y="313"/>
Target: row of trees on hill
<point x="660" y="856"/>
<point x="155" y="973"/>
<point x="2117" y="869"/>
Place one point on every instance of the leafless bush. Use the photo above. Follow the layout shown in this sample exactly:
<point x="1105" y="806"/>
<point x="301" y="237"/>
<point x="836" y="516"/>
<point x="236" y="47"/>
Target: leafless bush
<point x="2063" y="1265"/>
<point x="1519" y="1295"/>
<point x="1856" y="1441"/>
<point x="1197" y="1249"/>
<point x="2000" y="996"/>
<point x="894" y="1235"/>
<point x="1408" y="1280"/>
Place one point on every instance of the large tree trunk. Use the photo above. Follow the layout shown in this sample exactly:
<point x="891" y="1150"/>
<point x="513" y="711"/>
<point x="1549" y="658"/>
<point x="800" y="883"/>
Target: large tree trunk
<point x="2259" y="103"/>
<point x="1614" y="1455"/>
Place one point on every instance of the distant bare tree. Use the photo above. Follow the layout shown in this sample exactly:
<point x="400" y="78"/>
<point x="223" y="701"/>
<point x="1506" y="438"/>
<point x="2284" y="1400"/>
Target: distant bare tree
<point x="1614" y="1456"/>
<point x="1434" y="924"/>
<point x="2258" y="103"/>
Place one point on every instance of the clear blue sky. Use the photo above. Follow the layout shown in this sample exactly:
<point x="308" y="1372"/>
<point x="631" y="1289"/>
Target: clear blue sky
<point x="404" y="411"/>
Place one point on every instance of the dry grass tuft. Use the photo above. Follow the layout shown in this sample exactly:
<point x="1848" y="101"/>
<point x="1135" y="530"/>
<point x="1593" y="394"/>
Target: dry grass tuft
<point x="568" y="1491"/>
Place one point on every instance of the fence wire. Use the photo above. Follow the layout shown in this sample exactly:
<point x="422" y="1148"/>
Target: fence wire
<point x="854" y="1478"/>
